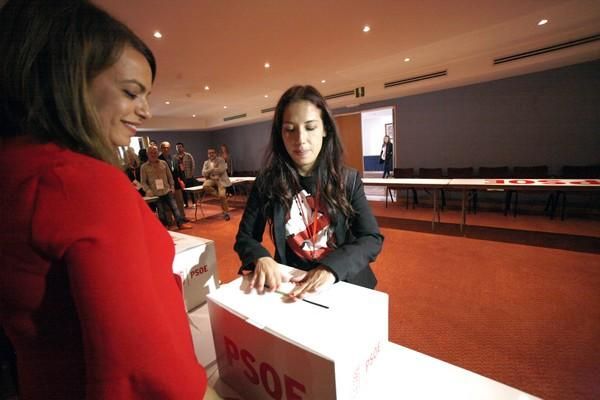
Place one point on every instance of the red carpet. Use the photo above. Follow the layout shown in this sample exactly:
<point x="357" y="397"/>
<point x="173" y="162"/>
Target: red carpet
<point x="514" y="299"/>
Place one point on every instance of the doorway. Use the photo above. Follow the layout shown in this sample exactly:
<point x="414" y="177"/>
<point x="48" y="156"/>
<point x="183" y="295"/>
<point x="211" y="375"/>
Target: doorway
<point x="375" y="124"/>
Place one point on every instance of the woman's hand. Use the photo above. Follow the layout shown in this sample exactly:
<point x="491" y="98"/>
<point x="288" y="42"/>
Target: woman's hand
<point x="267" y="274"/>
<point x="312" y="281"/>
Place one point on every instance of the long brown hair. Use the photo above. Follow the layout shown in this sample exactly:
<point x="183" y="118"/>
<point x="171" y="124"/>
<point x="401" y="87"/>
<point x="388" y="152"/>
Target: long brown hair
<point x="282" y="180"/>
<point x="51" y="50"/>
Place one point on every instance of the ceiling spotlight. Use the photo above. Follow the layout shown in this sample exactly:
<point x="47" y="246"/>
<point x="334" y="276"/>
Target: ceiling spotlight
<point x="206" y="87"/>
<point x="266" y="95"/>
<point x="407" y="59"/>
<point x="157" y="34"/>
<point x="323" y="81"/>
<point x="542" y="22"/>
<point x="167" y="102"/>
<point x="267" y="65"/>
<point x="366" y="28"/>
<point x="225" y="107"/>
<point x="193" y="115"/>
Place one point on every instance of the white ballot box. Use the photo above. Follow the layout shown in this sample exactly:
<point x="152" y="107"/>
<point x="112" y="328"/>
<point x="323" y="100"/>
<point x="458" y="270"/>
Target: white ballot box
<point x="324" y="349"/>
<point x="202" y="335"/>
<point x="196" y="265"/>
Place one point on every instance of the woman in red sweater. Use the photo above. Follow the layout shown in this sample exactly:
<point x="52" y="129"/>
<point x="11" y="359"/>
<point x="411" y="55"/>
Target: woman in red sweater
<point x="87" y="294"/>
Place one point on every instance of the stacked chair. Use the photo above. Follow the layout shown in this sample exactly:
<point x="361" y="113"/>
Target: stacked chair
<point x="570" y="172"/>
<point x="402" y="173"/>
<point x="465" y="173"/>
<point x="433" y="173"/>
<point x="535" y="172"/>
<point x="491" y="173"/>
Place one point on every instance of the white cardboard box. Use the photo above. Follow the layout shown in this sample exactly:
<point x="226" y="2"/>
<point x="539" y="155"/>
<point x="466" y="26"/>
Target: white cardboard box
<point x="195" y="263"/>
<point x="202" y="336"/>
<point x="268" y="348"/>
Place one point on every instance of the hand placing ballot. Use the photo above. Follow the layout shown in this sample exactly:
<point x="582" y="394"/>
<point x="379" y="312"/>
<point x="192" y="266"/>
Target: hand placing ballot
<point x="290" y="282"/>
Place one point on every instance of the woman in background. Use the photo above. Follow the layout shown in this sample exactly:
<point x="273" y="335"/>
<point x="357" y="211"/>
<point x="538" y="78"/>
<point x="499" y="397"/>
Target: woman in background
<point x="386" y="157"/>
<point x="87" y="293"/>
<point x="319" y="217"/>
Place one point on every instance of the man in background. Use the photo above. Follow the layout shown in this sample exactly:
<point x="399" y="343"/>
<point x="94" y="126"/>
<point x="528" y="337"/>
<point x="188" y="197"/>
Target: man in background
<point x="165" y="155"/>
<point x="186" y="164"/>
<point x="156" y="180"/>
<point x="215" y="172"/>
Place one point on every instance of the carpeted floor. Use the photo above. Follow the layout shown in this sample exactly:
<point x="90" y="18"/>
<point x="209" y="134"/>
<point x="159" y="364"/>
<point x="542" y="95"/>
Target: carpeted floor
<point x="513" y="299"/>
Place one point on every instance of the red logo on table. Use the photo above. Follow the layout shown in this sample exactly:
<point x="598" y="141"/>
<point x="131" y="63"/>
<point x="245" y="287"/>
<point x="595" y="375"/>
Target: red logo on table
<point x="544" y="181"/>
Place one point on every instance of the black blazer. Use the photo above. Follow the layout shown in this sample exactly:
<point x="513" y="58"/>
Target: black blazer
<point x="389" y="152"/>
<point x="358" y="242"/>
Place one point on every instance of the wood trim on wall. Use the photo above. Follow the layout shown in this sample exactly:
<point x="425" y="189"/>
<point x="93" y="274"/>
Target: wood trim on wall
<point x="350" y="130"/>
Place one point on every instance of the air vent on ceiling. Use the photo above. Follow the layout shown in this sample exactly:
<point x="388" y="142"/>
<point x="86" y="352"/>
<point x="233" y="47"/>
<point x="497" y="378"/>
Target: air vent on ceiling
<point x="266" y="110"/>
<point x="234" y="117"/>
<point x="415" y="79"/>
<point x="340" y="94"/>
<point x="548" y="49"/>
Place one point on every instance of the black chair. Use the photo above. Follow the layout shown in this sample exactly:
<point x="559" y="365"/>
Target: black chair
<point x="402" y="173"/>
<point x="491" y="173"/>
<point x="571" y="172"/>
<point x="464" y="173"/>
<point x="535" y="172"/>
<point x="433" y="173"/>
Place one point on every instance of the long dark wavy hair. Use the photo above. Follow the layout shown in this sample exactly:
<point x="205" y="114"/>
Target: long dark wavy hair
<point x="281" y="179"/>
<point x="51" y="51"/>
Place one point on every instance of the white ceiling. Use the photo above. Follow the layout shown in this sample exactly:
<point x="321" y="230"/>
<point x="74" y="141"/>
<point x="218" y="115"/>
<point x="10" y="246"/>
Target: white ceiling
<point x="224" y="44"/>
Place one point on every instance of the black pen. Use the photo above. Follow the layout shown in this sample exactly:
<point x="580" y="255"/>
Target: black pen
<point x="303" y="299"/>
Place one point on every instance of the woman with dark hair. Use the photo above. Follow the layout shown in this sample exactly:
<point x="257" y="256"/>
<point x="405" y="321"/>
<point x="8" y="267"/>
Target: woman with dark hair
<point x="386" y="156"/>
<point x="87" y="293"/>
<point x="316" y="208"/>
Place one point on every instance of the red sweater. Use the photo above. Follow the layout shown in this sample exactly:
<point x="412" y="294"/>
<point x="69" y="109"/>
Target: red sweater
<point x="87" y="294"/>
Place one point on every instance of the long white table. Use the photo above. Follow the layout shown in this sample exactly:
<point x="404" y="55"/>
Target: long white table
<point x="234" y="179"/>
<point x="399" y="373"/>
<point x="465" y="185"/>
<point x="408" y="183"/>
<point x="557" y="185"/>
<point x="199" y="191"/>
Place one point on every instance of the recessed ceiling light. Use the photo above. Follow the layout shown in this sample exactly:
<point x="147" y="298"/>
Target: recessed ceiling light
<point x="266" y="95"/>
<point x="407" y="59"/>
<point x="366" y="28"/>
<point x="267" y="65"/>
<point x="206" y="87"/>
<point x="167" y="102"/>
<point x="157" y="34"/>
<point x="542" y="22"/>
<point x="193" y="115"/>
<point x="323" y="81"/>
<point x="225" y="107"/>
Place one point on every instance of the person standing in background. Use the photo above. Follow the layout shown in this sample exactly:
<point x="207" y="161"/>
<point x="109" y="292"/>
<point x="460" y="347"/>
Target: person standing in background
<point x="87" y="292"/>
<point x="132" y="169"/>
<point x="215" y="172"/>
<point x="386" y="157"/>
<point x="229" y="161"/>
<point x="186" y="165"/>
<point x="157" y="180"/>
<point x="165" y="155"/>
